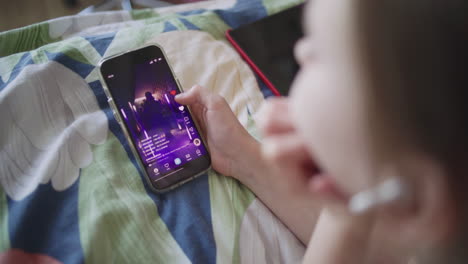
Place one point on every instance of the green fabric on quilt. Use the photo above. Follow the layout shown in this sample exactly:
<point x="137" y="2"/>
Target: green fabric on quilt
<point x="142" y="13"/>
<point x="7" y="64"/>
<point x="127" y="206"/>
<point x="225" y="213"/>
<point x="24" y="39"/>
<point x="4" y="238"/>
<point x="274" y="6"/>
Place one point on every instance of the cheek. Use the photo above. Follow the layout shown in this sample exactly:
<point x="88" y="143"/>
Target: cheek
<point x="313" y="104"/>
<point x="326" y="116"/>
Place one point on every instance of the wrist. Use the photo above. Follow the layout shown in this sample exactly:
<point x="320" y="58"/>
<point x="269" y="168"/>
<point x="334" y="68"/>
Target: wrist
<point x="336" y="234"/>
<point x="248" y="163"/>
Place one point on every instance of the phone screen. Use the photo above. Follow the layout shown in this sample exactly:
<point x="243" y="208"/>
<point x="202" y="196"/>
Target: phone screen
<point x="163" y="132"/>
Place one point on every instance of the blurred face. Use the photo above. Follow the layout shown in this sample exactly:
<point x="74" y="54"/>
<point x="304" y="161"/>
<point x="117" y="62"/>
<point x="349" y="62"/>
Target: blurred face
<point x="329" y="112"/>
<point x="327" y="100"/>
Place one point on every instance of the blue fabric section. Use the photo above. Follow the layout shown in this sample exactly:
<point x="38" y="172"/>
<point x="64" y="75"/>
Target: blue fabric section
<point x="168" y="26"/>
<point x="243" y="12"/>
<point x="101" y="42"/>
<point x="263" y="88"/>
<point x="46" y="222"/>
<point x="188" y="24"/>
<point x="185" y="210"/>
<point x="80" y="68"/>
<point x="192" y="12"/>
<point x="23" y="62"/>
<point x="187" y="214"/>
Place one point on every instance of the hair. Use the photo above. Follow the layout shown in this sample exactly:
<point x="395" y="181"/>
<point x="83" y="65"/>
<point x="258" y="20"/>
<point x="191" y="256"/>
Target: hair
<point x="416" y="54"/>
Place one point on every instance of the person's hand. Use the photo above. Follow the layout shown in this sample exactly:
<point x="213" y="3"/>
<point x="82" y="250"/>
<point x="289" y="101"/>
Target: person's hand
<point x="282" y="149"/>
<point x="285" y="152"/>
<point x="229" y="143"/>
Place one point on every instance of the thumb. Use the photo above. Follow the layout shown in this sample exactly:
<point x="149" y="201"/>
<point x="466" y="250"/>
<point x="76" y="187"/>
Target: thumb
<point x="323" y="185"/>
<point x="279" y="148"/>
<point x="190" y="97"/>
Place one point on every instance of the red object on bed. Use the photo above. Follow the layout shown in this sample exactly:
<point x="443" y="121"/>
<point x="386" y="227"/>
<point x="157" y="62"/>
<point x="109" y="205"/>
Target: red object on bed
<point x="252" y="64"/>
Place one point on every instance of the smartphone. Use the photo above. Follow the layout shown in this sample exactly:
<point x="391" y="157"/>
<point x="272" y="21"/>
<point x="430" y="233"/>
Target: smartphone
<point x="141" y="86"/>
<point x="267" y="45"/>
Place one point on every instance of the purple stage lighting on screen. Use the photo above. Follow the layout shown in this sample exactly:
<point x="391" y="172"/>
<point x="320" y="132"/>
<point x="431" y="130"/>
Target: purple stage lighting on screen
<point x="188" y="133"/>
<point x="123" y="113"/>
<point x="167" y="99"/>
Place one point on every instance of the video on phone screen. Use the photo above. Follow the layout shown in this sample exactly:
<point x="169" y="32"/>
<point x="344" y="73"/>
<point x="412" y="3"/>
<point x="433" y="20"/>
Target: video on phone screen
<point x="163" y="131"/>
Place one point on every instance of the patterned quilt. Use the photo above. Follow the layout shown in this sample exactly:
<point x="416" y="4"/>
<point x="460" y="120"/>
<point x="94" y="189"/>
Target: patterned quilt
<point x="71" y="191"/>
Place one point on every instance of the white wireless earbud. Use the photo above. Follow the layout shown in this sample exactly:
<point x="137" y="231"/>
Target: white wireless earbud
<point x="389" y="191"/>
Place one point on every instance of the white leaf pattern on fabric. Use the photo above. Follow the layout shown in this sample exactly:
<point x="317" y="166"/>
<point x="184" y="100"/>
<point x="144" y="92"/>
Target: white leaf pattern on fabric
<point x="77" y="25"/>
<point x="100" y="23"/>
<point x="263" y="239"/>
<point x="52" y="118"/>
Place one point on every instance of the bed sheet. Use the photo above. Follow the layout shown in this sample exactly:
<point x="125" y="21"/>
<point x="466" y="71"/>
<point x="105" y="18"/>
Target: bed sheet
<point x="71" y="191"/>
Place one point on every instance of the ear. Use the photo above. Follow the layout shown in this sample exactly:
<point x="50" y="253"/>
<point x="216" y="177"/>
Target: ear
<point x="431" y="217"/>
